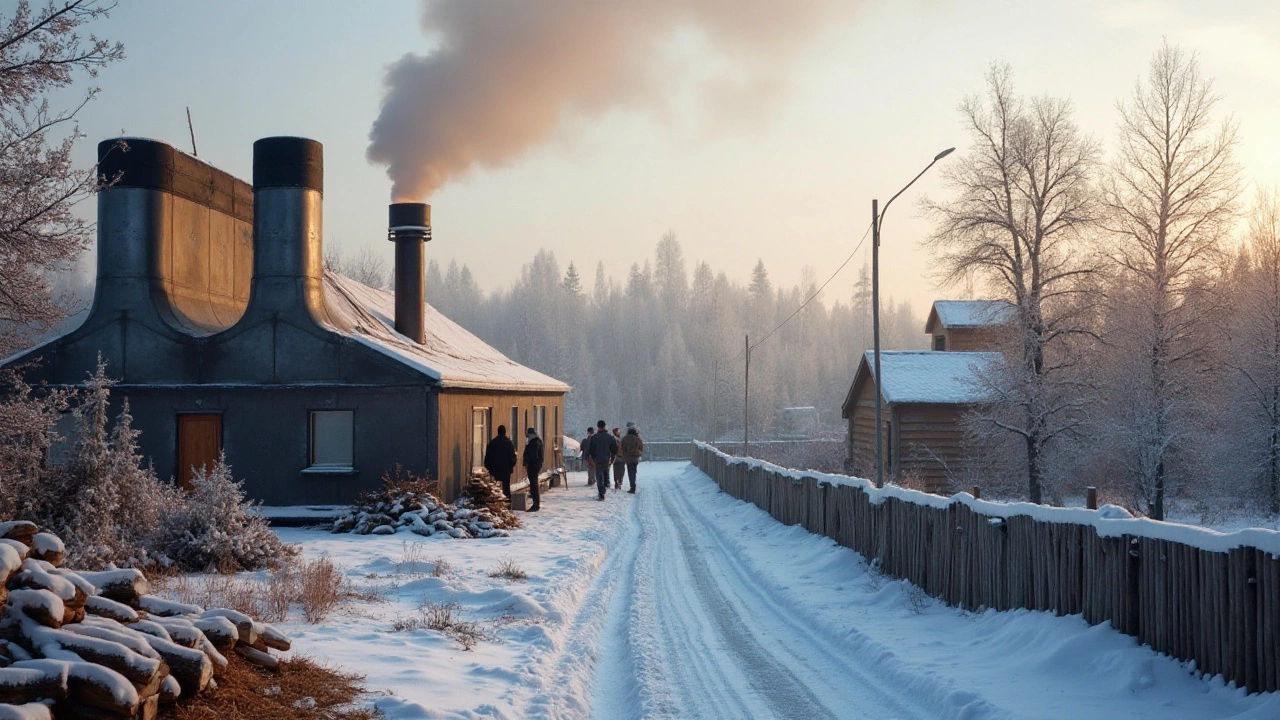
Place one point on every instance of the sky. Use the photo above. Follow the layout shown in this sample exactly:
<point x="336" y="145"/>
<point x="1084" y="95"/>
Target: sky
<point x="859" y="100"/>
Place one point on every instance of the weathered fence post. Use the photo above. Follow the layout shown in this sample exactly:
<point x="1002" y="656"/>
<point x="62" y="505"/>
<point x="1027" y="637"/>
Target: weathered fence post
<point x="1091" y="497"/>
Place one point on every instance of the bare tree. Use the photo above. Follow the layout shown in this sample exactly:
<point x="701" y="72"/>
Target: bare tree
<point x="1170" y="195"/>
<point x="1022" y="199"/>
<point x="365" y="267"/>
<point x="1254" y="330"/>
<point x="41" y="52"/>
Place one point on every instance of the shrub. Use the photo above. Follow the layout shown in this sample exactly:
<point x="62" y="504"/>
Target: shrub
<point x="216" y="530"/>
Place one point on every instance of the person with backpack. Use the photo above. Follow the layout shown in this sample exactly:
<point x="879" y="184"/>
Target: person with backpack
<point x="617" y="462"/>
<point x="631" y="451"/>
<point x="533" y="466"/>
<point x="500" y="459"/>
<point x="601" y="448"/>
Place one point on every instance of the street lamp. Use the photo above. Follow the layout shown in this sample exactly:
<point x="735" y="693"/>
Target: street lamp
<point x="877" y="216"/>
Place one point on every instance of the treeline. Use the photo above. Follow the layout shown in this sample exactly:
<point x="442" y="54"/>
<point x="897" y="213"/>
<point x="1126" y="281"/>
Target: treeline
<point x="1145" y="354"/>
<point x="664" y="346"/>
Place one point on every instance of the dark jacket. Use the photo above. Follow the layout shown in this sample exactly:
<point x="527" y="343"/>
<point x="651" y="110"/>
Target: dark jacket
<point x="533" y="453"/>
<point x="500" y="456"/>
<point x="602" y="448"/>
<point x="632" y="445"/>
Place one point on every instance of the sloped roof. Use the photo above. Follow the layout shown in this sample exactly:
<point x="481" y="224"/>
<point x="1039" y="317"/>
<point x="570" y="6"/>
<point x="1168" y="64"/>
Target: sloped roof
<point x="924" y="377"/>
<point x="968" y="314"/>
<point x="450" y="354"/>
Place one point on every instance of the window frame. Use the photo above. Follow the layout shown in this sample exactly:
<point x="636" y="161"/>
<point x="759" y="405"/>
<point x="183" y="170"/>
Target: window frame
<point x="312" y="464"/>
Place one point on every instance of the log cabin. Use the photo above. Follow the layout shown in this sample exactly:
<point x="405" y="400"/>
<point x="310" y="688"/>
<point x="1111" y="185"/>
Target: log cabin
<point x="967" y="325"/>
<point x="225" y="333"/>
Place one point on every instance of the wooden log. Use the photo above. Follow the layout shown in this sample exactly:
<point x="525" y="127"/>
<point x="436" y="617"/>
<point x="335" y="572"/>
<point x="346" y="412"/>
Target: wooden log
<point x="220" y="631"/>
<point x="192" y="668"/>
<point x="49" y="548"/>
<point x="21" y="530"/>
<point x="257" y="657"/>
<point x="110" y="609"/>
<point x="124" y="586"/>
<point x="170" y="689"/>
<point x="275" y="639"/>
<point x="26" y="711"/>
<point x="245" y="625"/>
<point x="34" y="576"/>
<point x="40" y="605"/>
<point x="20" y="685"/>
<point x="140" y="670"/>
<point x="166" y="608"/>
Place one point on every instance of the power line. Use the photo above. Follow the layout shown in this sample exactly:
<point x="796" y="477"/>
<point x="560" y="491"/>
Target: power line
<point x="815" y="294"/>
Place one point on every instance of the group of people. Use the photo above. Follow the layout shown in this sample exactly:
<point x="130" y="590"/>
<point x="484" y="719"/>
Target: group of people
<point x="603" y="451"/>
<point x="500" y="461"/>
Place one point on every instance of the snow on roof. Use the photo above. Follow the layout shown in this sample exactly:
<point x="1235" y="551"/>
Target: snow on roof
<point x="972" y="313"/>
<point x="450" y="354"/>
<point x="923" y="376"/>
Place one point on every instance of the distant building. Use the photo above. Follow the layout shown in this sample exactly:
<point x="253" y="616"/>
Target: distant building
<point x="967" y="324"/>
<point x="925" y="394"/>
<point x="214" y="312"/>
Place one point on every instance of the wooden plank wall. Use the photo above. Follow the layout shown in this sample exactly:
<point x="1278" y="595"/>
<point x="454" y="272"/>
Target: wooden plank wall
<point x="1220" y="609"/>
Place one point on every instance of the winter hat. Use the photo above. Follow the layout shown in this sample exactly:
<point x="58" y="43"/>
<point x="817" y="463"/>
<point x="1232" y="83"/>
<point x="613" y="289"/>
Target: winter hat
<point x="502" y="431"/>
<point x="531" y="431"/>
<point x="630" y="425"/>
<point x="602" y="425"/>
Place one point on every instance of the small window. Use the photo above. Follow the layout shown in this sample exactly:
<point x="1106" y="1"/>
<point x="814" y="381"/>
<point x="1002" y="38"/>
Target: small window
<point x="332" y="438"/>
<point x="481" y="419"/>
<point x="514" y="431"/>
<point x="555" y="428"/>
<point x="939" y="342"/>
<point x="540" y="421"/>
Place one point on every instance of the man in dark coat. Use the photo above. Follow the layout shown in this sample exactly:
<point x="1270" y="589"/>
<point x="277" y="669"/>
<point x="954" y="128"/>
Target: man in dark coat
<point x="533" y="466"/>
<point x="500" y="459"/>
<point x="602" y="448"/>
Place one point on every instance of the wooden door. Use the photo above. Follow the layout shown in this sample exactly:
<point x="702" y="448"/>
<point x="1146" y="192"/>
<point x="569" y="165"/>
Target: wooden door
<point x="199" y="442"/>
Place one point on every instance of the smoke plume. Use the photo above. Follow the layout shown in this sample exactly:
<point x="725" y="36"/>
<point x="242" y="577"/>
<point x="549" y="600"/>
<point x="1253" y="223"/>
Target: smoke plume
<point x="504" y="75"/>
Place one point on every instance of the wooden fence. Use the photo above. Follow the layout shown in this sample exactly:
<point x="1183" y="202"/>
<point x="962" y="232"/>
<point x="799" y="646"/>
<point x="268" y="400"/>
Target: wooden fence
<point x="1208" y="600"/>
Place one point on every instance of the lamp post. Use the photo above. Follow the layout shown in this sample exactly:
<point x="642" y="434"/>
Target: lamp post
<point x="877" y="216"/>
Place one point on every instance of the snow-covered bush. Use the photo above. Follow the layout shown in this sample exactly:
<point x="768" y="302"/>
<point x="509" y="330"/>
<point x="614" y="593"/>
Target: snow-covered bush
<point x="215" y="529"/>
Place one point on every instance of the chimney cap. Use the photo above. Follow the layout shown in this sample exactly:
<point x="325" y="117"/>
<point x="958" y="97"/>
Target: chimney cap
<point x="409" y="216"/>
<point x="288" y="162"/>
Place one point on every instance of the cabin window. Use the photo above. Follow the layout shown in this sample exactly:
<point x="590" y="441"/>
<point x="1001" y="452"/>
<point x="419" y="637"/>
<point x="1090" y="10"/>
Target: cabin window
<point x="889" y="451"/>
<point x="939" y="342"/>
<point x="540" y="421"/>
<point x="555" y="428"/>
<point x="332" y="438"/>
<point x="481" y="419"/>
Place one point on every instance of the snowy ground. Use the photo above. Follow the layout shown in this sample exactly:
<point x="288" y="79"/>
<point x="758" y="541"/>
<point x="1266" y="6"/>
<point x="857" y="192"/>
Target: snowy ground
<point x="681" y="602"/>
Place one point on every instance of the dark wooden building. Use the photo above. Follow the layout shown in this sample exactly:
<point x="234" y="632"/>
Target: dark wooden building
<point x="214" y="312"/>
<point x="967" y="325"/>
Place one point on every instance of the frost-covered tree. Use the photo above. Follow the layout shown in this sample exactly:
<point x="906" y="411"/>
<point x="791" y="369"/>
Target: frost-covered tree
<point x="1170" y="197"/>
<point x="1022" y="196"/>
<point x="42" y="52"/>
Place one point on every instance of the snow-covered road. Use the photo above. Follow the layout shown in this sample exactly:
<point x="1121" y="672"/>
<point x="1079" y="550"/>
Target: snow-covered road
<point x="682" y="602"/>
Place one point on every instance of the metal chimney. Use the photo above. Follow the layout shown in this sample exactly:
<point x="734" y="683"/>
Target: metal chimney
<point x="288" y="183"/>
<point x="409" y="228"/>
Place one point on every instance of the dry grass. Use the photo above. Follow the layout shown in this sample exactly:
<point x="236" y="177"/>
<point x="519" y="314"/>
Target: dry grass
<point x="443" y="618"/>
<point x="507" y="568"/>
<point x="440" y="567"/>
<point x="318" y="586"/>
<point x="250" y="692"/>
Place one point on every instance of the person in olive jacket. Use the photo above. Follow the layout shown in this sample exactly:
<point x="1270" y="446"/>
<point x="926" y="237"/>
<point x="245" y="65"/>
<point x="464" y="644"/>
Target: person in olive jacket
<point x="632" y="448"/>
<point x="533" y="465"/>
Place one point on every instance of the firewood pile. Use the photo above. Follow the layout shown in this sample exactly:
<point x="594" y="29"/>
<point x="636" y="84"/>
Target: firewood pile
<point x="398" y="507"/>
<point x="78" y="644"/>
<point x="486" y="495"/>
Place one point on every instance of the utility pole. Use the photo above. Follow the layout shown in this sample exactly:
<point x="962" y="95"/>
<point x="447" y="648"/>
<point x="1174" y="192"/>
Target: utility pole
<point x="746" y="396"/>
<point x="876" y="217"/>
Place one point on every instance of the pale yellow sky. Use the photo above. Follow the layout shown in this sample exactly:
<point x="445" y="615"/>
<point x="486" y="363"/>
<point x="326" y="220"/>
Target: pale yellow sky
<point x="785" y="177"/>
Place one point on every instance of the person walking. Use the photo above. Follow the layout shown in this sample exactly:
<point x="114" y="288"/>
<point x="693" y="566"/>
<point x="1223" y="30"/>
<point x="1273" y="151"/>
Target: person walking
<point x="618" y="465"/>
<point x="500" y="459"/>
<point x="602" y="448"/>
<point x="533" y="466"/>
<point x="632" y="449"/>
<point x="586" y="455"/>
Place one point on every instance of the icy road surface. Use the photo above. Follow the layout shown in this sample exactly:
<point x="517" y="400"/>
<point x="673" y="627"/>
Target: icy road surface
<point x="682" y="602"/>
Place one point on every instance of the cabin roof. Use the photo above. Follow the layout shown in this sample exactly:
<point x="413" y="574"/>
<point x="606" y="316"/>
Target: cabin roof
<point x="968" y="314"/>
<point x="450" y="354"/>
<point x="923" y="377"/>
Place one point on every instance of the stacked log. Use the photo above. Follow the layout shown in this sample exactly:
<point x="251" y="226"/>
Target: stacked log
<point x="98" y="645"/>
<point x="396" y="508"/>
